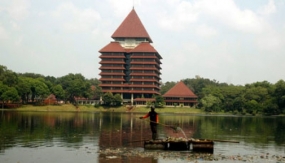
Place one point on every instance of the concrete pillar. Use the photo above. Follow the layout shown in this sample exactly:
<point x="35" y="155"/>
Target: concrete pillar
<point x="132" y="99"/>
<point x="101" y="100"/>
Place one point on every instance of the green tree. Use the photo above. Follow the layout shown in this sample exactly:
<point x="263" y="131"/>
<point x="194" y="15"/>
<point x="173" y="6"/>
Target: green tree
<point x="252" y="107"/>
<point x="232" y="96"/>
<point x="279" y="94"/>
<point x="198" y="83"/>
<point x="39" y="90"/>
<point x="3" y="89"/>
<point x="58" y="91"/>
<point x="159" y="101"/>
<point x="75" y="85"/>
<point x="211" y="103"/>
<point x="117" y="100"/>
<point x="10" y="94"/>
<point x="238" y="103"/>
<point x="108" y="98"/>
<point x="24" y="88"/>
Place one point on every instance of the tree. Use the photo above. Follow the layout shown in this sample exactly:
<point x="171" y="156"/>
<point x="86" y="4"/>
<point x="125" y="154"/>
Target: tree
<point x="58" y="91"/>
<point x="108" y="98"/>
<point x="117" y="100"/>
<point x="10" y="94"/>
<point x="24" y="88"/>
<point x="75" y="85"/>
<point x="238" y="104"/>
<point x="39" y="89"/>
<point x="197" y="84"/>
<point x="159" y="101"/>
<point x="3" y="89"/>
<point x="252" y="107"/>
<point x="279" y="94"/>
<point x="211" y="103"/>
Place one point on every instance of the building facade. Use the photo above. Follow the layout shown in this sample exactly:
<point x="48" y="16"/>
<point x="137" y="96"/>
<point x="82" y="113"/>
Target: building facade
<point x="130" y="66"/>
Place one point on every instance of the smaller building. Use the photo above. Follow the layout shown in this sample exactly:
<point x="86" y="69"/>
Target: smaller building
<point x="180" y="95"/>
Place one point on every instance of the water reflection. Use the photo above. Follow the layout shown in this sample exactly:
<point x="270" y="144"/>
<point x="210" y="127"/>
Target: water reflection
<point x="91" y="132"/>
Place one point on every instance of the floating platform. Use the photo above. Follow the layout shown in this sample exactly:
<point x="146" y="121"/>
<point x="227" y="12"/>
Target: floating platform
<point x="198" y="145"/>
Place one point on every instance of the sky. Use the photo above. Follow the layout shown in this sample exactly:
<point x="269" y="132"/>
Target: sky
<point x="233" y="41"/>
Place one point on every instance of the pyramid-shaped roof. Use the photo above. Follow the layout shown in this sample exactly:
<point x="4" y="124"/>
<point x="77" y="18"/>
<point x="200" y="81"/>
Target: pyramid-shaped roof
<point x="179" y="90"/>
<point x="131" y="27"/>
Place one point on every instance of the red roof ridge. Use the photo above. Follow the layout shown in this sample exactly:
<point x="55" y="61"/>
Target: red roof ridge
<point x="179" y="90"/>
<point x="131" y="27"/>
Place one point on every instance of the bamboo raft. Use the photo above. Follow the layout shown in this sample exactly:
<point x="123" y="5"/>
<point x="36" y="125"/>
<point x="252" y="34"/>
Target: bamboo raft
<point x="196" y="145"/>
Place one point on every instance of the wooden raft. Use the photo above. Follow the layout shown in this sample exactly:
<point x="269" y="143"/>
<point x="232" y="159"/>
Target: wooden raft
<point x="198" y="145"/>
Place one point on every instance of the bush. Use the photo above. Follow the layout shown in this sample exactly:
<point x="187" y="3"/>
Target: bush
<point x="97" y="105"/>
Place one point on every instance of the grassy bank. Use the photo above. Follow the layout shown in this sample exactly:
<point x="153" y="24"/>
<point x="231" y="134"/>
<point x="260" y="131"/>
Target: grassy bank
<point x="90" y="108"/>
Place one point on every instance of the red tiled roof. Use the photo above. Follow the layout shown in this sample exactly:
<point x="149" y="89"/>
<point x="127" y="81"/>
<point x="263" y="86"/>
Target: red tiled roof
<point x="179" y="90"/>
<point x="144" y="47"/>
<point x="131" y="27"/>
<point x="113" y="47"/>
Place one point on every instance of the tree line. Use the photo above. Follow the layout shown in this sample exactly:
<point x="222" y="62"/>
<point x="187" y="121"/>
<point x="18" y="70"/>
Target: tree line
<point x="255" y="98"/>
<point x="33" y="88"/>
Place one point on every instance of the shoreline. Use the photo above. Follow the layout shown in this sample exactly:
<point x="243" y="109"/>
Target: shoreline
<point x="122" y="109"/>
<point x="91" y="108"/>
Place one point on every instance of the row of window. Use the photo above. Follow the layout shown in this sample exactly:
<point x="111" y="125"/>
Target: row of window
<point x="129" y="89"/>
<point x="136" y="65"/>
<point x="134" y="54"/>
<point x="132" y="71"/>
<point x="178" y="98"/>
<point x="110" y="71"/>
<point x="134" y="60"/>
<point x="134" y="77"/>
<point x="133" y="83"/>
<point x="113" y="54"/>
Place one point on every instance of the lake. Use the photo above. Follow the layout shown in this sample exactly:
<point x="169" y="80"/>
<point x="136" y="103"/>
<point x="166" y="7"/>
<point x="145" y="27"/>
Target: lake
<point x="109" y="137"/>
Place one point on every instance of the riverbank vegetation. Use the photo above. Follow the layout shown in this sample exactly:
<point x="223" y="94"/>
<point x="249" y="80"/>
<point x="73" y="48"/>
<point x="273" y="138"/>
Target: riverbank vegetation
<point x="91" y="108"/>
<point x="214" y="97"/>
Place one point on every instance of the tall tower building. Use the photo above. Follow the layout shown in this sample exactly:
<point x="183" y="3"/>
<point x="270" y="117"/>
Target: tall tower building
<point x="130" y="66"/>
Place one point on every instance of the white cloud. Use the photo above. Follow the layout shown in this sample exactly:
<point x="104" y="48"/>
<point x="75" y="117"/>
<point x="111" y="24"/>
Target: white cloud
<point x="225" y="12"/>
<point x="75" y="19"/>
<point x="268" y="9"/>
<point x="15" y="25"/>
<point x="19" y="9"/>
<point x="3" y="33"/>
<point x="228" y="13"/>
<point x="179" y="17"/>
<point x="270" y="41"/>
<point x="205" y="31"/>
<point x="121" y="7"/>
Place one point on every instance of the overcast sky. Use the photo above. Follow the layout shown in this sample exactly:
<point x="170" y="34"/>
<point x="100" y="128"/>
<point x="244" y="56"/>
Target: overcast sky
<point x="232" y="41"/>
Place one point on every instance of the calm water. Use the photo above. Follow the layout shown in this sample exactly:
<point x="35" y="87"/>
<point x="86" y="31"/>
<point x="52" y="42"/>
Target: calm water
<point x="45" y="137"/>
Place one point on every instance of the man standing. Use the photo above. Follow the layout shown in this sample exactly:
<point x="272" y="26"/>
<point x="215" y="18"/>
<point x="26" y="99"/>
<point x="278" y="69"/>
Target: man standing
<point x="153" y="117"/>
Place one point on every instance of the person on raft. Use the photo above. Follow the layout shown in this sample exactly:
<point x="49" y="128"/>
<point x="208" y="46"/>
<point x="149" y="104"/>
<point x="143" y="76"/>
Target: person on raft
<point x="153" y="117"/>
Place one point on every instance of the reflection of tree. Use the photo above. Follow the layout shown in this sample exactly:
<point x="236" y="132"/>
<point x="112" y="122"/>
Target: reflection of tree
<point x="126" y="130"/>
<point x="249" y="129"/>
<point x="280" y="132"/>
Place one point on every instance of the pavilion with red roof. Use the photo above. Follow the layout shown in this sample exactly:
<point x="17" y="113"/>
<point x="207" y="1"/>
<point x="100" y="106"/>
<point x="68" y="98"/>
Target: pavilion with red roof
<point x="130" y="65"/>
<point x="180" y="95"/>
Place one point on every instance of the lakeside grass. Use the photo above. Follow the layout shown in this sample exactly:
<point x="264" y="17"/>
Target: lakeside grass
<point x="91" y="108"/>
